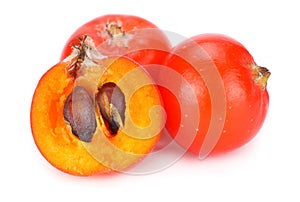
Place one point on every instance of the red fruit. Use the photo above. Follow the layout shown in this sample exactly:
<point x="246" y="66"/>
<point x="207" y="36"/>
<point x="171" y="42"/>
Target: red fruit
<point x="226" y="89"/>
<point x="128" y="35"/>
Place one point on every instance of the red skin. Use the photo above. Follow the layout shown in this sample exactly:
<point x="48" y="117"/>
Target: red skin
<point x="139" y="40"/>
<point x="239" y="104"/>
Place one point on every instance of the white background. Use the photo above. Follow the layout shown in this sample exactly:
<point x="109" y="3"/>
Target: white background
<point x="32" y="36"/>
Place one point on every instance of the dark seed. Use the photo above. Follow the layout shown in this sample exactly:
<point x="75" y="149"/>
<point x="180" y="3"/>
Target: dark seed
<point x="79" y="112"/>
<point x="111" y="102"/>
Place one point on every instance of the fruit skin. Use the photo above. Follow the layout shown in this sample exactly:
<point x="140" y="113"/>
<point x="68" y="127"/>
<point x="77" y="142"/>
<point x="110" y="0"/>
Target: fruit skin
<point x="54" y="138"/>
<point x="132" y="36"/>
<point x="246" y="97"/>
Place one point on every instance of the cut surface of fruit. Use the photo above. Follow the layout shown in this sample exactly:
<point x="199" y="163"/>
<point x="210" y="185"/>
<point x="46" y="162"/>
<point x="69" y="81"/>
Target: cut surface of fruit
<point x="83" y="134"/>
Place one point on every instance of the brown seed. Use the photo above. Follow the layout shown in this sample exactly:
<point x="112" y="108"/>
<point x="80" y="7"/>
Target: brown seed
<point x="79" y="112"/>
<point x="111" y="102"/>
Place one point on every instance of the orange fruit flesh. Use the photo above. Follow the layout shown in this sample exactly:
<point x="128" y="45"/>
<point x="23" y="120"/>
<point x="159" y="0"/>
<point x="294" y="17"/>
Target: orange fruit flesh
<point x="52" y="135"/>
<point x="141" y="97"/>
<point x="143" y="120"/>
<point x="65" y="151"/>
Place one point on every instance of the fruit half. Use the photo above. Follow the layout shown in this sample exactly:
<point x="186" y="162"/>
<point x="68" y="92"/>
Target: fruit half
<point x="92" y="114"/>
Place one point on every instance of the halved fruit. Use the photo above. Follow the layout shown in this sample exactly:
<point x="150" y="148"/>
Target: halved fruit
<point x="92" y="114"/>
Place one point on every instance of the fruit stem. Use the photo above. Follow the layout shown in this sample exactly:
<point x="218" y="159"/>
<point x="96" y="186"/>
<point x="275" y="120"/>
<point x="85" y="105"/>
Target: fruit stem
<point x="260" y="75"/>
<point x="114" y="30"/>
<point x="83" y="51"/>
<point x="116" y="35"/>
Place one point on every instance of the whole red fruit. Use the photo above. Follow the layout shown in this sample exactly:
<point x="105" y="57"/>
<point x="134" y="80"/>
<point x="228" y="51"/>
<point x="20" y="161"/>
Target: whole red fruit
<point x="231" y="98"/>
